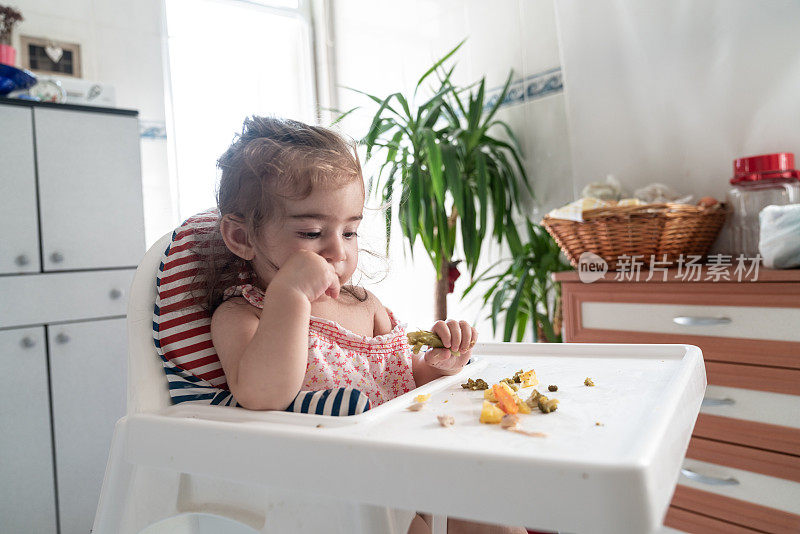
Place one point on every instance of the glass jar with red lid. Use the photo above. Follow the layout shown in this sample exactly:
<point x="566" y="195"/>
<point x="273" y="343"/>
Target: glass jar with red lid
<point x="758" y="182"/>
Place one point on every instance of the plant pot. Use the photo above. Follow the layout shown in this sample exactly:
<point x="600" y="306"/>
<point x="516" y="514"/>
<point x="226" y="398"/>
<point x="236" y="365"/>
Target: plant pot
<point x="8" y="54"/>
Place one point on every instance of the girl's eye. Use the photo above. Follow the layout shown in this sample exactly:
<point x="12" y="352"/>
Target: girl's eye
<point x="315" y="235"/>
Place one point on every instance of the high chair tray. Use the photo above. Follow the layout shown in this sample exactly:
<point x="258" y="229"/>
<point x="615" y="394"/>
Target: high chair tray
<point x="609" y="462"/>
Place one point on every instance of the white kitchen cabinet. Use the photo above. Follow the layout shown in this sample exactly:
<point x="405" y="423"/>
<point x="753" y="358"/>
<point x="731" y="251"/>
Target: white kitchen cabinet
<point x="90" y="189"/>
<point x="88" y="380"/>
<point x="71" y="204"/>
<point x="19" y="246"/>
<point x="26" y="456"/>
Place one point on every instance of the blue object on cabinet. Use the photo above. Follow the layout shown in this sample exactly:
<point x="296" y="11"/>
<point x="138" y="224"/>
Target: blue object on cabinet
<point x="12" y="78"/>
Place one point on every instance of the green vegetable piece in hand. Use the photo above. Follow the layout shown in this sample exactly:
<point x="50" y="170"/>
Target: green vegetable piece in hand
<point x="422" y="338"/>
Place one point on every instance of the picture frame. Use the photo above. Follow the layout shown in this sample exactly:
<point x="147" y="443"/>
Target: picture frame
<point x="42" y="55"/>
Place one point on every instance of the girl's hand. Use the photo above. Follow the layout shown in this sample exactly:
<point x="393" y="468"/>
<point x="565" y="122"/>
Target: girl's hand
<point x="310" y="274"/>
<point x="456" y="336"/>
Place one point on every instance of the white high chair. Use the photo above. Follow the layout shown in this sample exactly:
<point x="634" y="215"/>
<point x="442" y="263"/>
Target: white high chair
<point x="193" y="469"/>
<point x="137" y="497"/>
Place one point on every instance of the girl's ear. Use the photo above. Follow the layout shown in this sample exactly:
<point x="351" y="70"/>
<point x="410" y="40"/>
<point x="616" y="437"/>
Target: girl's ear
<point x="234" y="233"/>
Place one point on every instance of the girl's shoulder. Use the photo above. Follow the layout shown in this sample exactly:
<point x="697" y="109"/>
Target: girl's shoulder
<point x="235" y="309"/>
<point x="382" y="321"/>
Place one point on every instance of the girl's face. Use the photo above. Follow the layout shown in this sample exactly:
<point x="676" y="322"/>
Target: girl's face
<point x="324" y="223"/>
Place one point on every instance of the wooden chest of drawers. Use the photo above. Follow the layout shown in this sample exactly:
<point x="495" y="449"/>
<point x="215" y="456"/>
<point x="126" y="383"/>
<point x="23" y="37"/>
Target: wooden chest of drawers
<point x="742" y="469"/>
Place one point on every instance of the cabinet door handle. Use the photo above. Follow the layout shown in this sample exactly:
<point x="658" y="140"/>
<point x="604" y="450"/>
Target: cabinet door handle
<point x="62" y="338"/>
<point x="712" y="481"/>
<point x="700" y="321"/>
<point x="22" y="260"/>
<point x="27" y="342"/>
<point x="710" y="401"/>
<point x="56" y="257"/>
<point x="115" y="294"/>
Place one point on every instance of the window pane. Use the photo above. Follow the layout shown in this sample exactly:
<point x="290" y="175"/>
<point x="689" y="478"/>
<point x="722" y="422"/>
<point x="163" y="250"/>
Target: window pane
<point x="229" y="60"/>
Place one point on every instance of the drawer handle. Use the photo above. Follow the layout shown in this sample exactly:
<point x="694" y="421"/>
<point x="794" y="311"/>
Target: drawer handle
<point x="27" y="342"/>
<point x="712" y="481"/>
<point x="708" y="402"/>
<point x="700" y="321"/>
<point x="56" y="257"/>
<point x="62" y="338"/>
<point x="22" y="260"/>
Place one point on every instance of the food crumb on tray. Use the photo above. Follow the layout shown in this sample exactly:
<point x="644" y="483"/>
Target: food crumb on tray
<point x="509" y="421"/>
<point x="547" y="405"/>
<point x="588" y="382"/>
<point x="475" y="385"/>
<point x="446" y="420"/>
<point x="552" y="388"/>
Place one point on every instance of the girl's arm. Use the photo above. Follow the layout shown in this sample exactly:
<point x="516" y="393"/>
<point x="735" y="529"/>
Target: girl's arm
<point x="422" y="370"/>
<point x="423" y="373"/>
<point x="264" y="359"/>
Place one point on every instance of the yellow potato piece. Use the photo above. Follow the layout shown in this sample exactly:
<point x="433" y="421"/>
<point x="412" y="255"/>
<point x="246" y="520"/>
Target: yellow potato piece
<point x="529" y="379"/>
<point x="491" y="414"/>
<point x="488" y="394"/>
<point x="523" y="406"/>
<point x="422" y="398"/>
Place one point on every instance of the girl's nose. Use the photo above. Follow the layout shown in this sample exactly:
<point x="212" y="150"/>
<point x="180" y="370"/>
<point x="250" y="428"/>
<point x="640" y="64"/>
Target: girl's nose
<point x="334" y="250"/>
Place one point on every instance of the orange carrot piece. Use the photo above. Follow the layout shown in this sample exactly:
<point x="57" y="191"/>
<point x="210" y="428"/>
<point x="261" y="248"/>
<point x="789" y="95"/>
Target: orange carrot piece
<point x="504" y="399"/>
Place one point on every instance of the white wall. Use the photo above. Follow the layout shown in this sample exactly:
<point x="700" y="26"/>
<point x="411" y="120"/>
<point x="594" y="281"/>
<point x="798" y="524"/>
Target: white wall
<point x="121" y="45"/>
<point x="384" y="46"/>
<point x="673" y="91"/>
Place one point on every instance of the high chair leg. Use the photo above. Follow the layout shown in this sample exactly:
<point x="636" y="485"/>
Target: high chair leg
<point x="439" y="524"/>
<point x="116" y="484"/>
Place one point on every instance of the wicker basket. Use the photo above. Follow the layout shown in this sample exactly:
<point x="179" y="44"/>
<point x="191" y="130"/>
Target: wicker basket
<point x="651" y="230"/>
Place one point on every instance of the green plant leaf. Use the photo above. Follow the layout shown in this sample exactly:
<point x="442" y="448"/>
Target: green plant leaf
<point x="475" y="110"/>
<point x="522" y="322"/>
<point x="437" y="65"/>
<point x="512" y="237"/>
<point x="501" y="98"/>
<point x="452" y="173"/>
<point x="414" y="197"/>
<point x="375" y="99"/>
<point x="497" y="302"/>
<point x="511" y="314"/>
<point x="483" y="183"/>
<point x="468" y="233"/>
<point x="345" y="114"/>
<point x="434" y="162"/>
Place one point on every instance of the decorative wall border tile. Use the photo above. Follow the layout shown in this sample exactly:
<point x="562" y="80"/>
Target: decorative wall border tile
<point x="533" y="87"/>
<point x="152" y="130"/>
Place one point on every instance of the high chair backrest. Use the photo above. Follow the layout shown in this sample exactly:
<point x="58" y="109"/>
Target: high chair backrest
<point x="171" y="358"/>
<point x="169" y="292"/>
<point x="147" y="387"/>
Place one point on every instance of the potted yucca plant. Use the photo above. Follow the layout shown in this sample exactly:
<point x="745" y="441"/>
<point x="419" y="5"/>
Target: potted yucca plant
<point x="450" y="173"/>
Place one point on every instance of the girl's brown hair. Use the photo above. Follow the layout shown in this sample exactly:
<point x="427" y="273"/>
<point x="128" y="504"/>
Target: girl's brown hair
<point x="272" y="159"/>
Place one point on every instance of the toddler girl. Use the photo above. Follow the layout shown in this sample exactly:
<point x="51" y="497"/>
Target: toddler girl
<point x="291" y="199"/>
